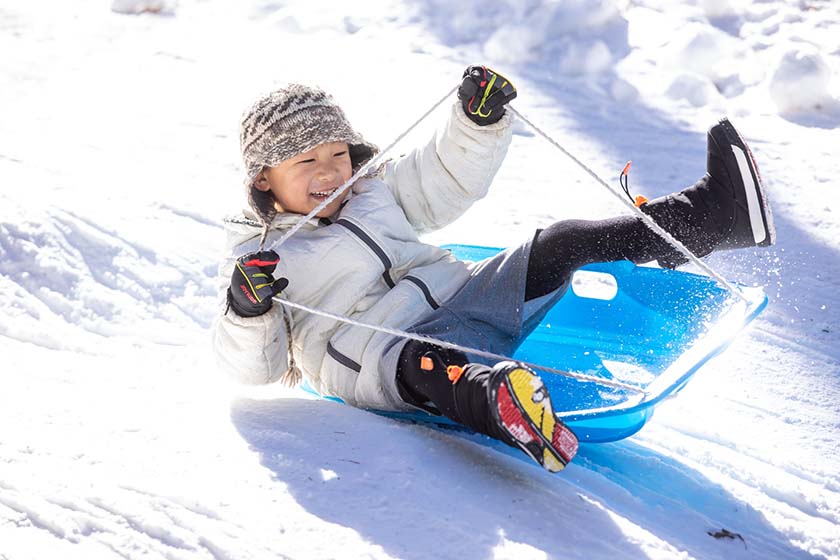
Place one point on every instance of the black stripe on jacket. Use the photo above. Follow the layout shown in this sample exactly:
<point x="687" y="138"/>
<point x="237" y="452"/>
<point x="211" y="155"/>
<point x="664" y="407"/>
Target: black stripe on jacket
<point x="378" y="251"/>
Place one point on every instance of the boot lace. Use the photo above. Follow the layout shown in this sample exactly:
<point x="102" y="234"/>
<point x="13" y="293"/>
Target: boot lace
<point x="624" y="181"/>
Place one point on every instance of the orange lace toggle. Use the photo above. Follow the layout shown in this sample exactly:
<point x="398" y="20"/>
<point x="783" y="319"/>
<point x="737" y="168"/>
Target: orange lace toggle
<point x="454" y="373"/>
<point x="426" y="363"/>
<point x="624" y="181"/>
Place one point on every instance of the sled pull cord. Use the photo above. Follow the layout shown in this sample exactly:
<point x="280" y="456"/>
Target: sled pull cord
<point x="647" y="220"/>
<point x="399" y="333"/>
<point x="453" y="374"/>
<point x="396" y="332"/>
<point x="407" y="335"/>
<point x="360" y="173"/>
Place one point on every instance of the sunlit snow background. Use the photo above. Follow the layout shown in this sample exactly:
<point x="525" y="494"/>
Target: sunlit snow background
<point x="119" y="158"/>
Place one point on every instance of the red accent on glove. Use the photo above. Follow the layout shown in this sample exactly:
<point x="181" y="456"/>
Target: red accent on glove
<point x="257" y="262"/>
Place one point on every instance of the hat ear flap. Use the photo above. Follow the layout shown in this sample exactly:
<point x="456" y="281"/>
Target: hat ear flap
<point x="360" y="154"/>
<point x="262" y="202"/>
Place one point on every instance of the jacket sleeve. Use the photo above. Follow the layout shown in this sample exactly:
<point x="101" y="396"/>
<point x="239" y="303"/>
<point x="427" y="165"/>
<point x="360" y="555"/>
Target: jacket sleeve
<point x="251" y="350"/>
<point x="437" y="183"/>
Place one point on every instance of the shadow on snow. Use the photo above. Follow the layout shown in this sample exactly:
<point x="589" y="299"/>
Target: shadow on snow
<point x="419" y="492"/>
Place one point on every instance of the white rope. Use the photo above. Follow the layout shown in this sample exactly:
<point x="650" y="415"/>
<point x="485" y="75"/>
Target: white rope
<point x="648" y="221"/>
<point x="400" y="333"/>
<point x="362" y="170"/>
<point x="413" y="336"/>
<point x="465" y="349"/>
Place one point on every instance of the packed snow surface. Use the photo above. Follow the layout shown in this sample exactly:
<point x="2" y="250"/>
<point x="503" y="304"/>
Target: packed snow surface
<point x="119" y="158"/>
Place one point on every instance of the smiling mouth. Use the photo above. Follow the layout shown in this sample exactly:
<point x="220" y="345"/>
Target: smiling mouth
<point x="322" y="195"/>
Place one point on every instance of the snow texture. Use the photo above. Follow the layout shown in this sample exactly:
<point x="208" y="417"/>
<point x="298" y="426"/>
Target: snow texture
<point x="119" y="156"/>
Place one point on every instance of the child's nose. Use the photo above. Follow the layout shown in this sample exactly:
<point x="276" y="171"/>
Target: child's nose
<point x="327" y="172"/>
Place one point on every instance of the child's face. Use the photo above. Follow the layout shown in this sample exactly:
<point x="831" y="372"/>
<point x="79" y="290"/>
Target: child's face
<point x="301" y="183"/>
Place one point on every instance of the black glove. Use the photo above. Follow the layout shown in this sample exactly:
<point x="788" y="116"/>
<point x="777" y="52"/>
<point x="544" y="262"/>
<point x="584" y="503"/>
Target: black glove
<point x="484" y="93"/>
<point x="252" y="285"/>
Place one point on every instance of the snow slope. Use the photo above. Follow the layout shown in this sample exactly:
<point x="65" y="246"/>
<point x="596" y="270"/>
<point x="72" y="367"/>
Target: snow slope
<point x="118" y="158"/>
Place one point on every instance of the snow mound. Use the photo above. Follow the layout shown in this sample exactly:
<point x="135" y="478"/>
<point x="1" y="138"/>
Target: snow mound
<point x="728" y="56"/>
<point x="576" y="37"/>
<point x="696" y="89"/>
<point x="706" y="63"/>
<point x="703" y="49"/>
<point x="722" y="8"/>
<point x="801" y="81"/>
<point x="143" y="6"/>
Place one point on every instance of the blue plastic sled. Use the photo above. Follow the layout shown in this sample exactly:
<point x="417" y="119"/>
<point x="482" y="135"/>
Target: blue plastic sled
<point x="646" y="327"/>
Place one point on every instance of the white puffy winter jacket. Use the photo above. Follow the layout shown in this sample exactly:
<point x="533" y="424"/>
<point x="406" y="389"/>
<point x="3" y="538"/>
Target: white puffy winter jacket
<point x="368" y="264"/>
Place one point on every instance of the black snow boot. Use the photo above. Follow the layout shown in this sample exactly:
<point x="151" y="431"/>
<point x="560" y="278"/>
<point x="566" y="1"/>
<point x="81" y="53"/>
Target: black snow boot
<point x="508" y="402"/>
<point x="734" y="170"/>
<point x="726" y="209"/>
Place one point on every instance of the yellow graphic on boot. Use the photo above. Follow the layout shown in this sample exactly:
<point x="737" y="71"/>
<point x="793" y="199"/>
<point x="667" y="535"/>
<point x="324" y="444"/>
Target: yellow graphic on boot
<point x="550" y="462"/>
<point x="533" y="398"/>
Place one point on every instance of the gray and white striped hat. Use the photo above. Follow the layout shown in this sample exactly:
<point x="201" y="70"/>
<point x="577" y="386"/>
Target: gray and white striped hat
<point x="285" y="123"/>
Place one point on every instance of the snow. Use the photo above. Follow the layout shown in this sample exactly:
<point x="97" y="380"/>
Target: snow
<point x="119" y="156"/>
<point x="801" y="82"/>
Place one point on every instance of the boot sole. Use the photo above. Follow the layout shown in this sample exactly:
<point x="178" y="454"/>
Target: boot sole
<point x="756" y="203"/>
<point x="528" y="421"/>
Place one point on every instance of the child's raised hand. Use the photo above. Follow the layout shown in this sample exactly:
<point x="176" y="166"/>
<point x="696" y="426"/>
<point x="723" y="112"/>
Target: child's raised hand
<point x="252" y="284"/>
<point x="484" y="94"/>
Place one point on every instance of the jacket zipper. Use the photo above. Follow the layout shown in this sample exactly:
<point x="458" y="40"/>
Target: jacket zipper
<point x="386" y="275"/>
<point x="378" y="251"/>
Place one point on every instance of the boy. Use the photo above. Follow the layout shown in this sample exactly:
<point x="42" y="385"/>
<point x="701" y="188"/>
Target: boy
<point x="361" y="258"/>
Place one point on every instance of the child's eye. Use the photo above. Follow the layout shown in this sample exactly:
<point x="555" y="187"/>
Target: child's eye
<point x="339" y="154"/>
<point x="310" y="160"/>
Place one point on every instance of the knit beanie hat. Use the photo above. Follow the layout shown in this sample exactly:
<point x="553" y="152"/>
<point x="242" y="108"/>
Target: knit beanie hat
<point x="285" y="123"/>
